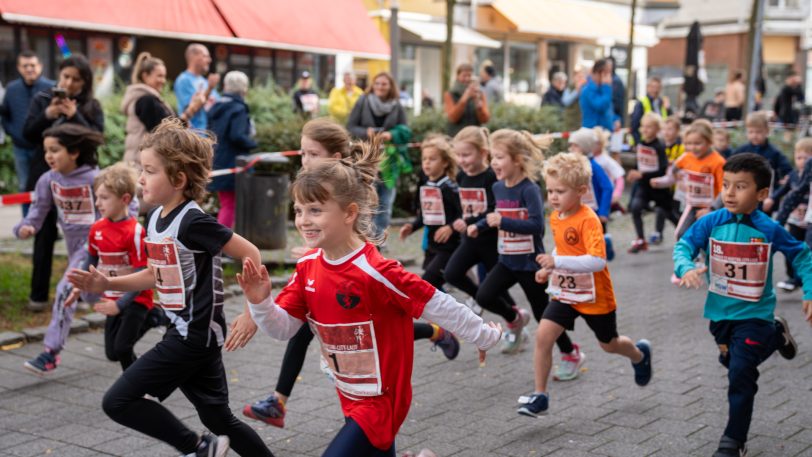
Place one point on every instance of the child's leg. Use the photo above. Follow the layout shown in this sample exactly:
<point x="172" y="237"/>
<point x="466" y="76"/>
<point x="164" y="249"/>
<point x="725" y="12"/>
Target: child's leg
<point x="465" y="257"/>
<point x="624" y="346"/>
<point x="638" y="204"/>
<point x="686" y="221"/>
<point x="42" y="259"/>
<point x="61" y="315"/>
<point x="227" y="206"/>
<point x="537" y="295"/>
<point x="499" y="280"/>
<point x="351" y="440"/>
<point x="293" y="361"/>
<point x="111" y="326"/>
<point x="434" y="267"/>
<point x="131" y="320"/>
<point x="546" y="335"/>
<point x="423" y="331"/>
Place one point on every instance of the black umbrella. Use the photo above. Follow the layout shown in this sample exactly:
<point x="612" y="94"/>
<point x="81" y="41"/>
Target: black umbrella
<point x="692" y="85"/>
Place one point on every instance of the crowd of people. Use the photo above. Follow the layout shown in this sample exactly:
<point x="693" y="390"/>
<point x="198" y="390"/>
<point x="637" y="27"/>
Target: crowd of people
<point x="479" y="209"/>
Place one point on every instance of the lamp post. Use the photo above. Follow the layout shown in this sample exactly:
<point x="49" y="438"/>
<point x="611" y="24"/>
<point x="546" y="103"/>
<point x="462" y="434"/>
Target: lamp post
<point x="394" y="39"/>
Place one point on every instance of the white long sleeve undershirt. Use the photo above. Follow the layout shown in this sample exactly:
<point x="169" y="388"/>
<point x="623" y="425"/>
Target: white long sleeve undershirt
<point x="580" y="263"/>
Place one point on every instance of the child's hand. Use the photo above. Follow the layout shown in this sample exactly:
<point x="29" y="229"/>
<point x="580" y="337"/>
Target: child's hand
<point x="443" y="234"/>
<point x="473" y="231"/>
<point x="26" y="231"/>
<point x="808" y="310"/>
<point x="546" y="261"/>
<point x="494" y="219"/>
<point x="481" y="352"/>
<point x="767" y="205"/>
<point x="254" y="281"/>
<point x="298" y="251"/>
<point x="106" y="307"/>
<point x="460" y="225"/>
<point x="74" y="295"/>
<point x="242" y="330"/>
<point x="542" y="275"/>
<point x="89" y="281"/>
<point x="405" y="231"/>
<point x="693" y="278"/>
<point x="633" y="175"/>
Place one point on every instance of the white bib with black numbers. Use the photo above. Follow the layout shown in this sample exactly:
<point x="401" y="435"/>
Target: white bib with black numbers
<point x="739" y="270"/>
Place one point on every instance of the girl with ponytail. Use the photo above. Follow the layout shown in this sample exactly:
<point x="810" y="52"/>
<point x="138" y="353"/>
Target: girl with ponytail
<point x="142" y="103"/>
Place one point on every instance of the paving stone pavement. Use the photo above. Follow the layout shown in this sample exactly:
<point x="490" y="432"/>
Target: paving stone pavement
<point x="460" y="409"/>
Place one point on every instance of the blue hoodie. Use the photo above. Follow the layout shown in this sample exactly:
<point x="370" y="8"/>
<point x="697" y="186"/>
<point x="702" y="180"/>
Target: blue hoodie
<point x="596" y="105"/>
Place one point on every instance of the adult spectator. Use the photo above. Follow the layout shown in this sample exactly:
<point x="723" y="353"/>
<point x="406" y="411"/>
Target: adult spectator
<point x="305" y="99"/>
<point x="652" y="101"/>
<point x="491" y="87"/>
<point x="342" y="99"/>
<point x="229" y="120"/>
<point x="559" y="95"/>
<point x="714" y="110"/>
<point x="143" y="105"/>
<point x="596" y="98"/>
<point x="618" y="92"/>
<point x="734" y="97"/>
<point x="790" y="100"/>
<point x="14" y="110"/>
<point x="464" y="103"/>
<point x="572" y="112"/>
<point x="70" y="101"/>
<point x="193" y="84"/>
<point x="379" y="113"/>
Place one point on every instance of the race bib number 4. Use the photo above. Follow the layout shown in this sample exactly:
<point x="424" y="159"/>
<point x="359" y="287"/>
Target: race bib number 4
<point x="163" y="259"/>
<point x="698" y="188"/>
<point x="75" y="204"/>
<point x="474" y="202"/>
<point x="431" y="205"/>
<point x="738" y="270"/>
<point x="113" y="264"/>
<point x="351" y="353"/>
<point x="510" y="243"/>
<point x="647" y="160"/>
<point x="571" y="287"/>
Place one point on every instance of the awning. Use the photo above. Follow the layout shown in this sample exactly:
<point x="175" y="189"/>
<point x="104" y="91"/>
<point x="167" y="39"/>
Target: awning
<point x="435" y="32"/>
<point x="321" y="26"/>
<point x="574" y="19"/>
<point x="179" y="19"/>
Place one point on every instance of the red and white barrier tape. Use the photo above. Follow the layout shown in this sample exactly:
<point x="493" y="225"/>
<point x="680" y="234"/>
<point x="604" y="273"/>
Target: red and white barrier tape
<point x="17" y="199"/>
<point x="254" y="161"/>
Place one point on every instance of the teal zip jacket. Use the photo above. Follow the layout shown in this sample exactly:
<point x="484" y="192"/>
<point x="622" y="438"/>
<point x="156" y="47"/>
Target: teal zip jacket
<point x="722" y="225"/>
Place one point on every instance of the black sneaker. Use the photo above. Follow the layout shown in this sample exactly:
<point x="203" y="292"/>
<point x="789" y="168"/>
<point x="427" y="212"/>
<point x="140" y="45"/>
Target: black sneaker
<point x="534" y="405"/>
<point x="642" y="369"/>
<point x="43" y="364"/>
<point x="728" y="447"/>
<point x="212" y="446"/>
<point x="788" y="348"/>
<point x="449" y="344"/>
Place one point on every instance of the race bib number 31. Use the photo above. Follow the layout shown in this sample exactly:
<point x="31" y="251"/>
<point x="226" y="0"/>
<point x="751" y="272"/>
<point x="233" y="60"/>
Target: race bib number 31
<point x="738" y="270"/>
<point x="351" y="353"/>
<point x="510" y="243"/>
<point x="163" y="258"/>
<point x="75" y="204"/>
<point x="571" y="287"/>
<point x="431" y="205"/>
<point x="474" y="202"/>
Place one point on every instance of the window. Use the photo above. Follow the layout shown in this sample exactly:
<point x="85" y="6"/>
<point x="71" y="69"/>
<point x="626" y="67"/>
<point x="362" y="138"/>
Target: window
<point x="284" y="69"/>
<point x="263" y="66"/>
<point x="8" y="69"/>
<point x="522" y="67"/>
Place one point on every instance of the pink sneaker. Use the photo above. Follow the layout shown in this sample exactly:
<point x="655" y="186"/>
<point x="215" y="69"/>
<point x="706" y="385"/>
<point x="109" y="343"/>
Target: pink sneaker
<point x="570" y="366"/>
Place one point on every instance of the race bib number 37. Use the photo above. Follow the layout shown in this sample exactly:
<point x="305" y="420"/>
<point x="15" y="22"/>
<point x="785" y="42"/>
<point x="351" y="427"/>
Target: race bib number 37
<point x="351" y="354"/>
<point x="163" y="259"/>
<point x="431" y="205"/>
<point x="738" y="270"/>
<point x="510" y="243"/>
<point x="75" y="204"/>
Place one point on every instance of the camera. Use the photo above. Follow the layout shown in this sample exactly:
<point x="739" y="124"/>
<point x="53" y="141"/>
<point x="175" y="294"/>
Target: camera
<point x="59" y="92"/>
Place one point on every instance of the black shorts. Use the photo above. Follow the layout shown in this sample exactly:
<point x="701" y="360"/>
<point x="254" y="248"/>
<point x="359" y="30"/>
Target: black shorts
<point x="175" y="364"/>
<point x="603" y="325"/>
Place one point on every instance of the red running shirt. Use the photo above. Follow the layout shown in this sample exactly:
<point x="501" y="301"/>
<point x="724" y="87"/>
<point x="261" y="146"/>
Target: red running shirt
<point x="120" y="249"/>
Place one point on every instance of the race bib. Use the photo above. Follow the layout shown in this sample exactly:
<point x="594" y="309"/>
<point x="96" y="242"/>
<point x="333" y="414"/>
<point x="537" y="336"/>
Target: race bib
<point x="310" y="102"/>
<point x="738" y="270"/>
<point x="164" y="260"/>
<point x="572" y="288"/>
<point x="808" y="214"/>
<point x="474" y="202"/>
<point x="510" y="243"/>
<point x="351" y="353"/>
<point x="431" y="205"/>
<point x="698" y="188"/>
<point x="799" y="216"/>
<point x="113" y="264"/>
<point x="647" y="160"/>
<point x="74" y="204"/>
<point x="589" y="197"/>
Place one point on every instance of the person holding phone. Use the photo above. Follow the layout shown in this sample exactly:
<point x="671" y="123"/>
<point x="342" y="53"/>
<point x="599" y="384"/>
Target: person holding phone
<point x="464" y="103"/>
<point x="596" y="99"/>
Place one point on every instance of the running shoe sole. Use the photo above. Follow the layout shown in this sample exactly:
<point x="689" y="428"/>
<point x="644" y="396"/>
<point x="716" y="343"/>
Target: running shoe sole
<point x="248" y="412"/>
<point x="793" y="346"/>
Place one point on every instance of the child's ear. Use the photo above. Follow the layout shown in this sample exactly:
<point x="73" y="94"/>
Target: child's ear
<point x="582" y="190"/>
<point x="762" y="194"/>
<point x="180" y="181"/>
<point x="127" y="198"/>
<point x="351" y="212"/>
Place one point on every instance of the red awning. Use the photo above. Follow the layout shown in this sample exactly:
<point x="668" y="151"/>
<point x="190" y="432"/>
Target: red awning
<point x="196" y="20"/>
<point x="322" y="26"/>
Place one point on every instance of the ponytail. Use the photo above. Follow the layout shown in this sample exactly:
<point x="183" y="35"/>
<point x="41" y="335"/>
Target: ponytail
<point x="144" y="63"/>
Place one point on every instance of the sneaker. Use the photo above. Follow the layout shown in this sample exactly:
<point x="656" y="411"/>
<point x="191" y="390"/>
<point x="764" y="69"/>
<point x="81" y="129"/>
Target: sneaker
<point x="36" y="306"/>
<point x="789" y="348"/>
<point x="637" y="246"/>
<point x="570" y="366"/>
<point x="729" y="447"/>
<point x="514" y="337"/>
<point x="212" y="446"/>
<point x="534" y="406"/>
<point x="610" y="249"/>
<point x="271" y="411"/>
<point x="642" y="370"/>
<point x="44" y="363"/>
<point x="449" y="344"/>
<point x="471" y="303"/>
<point x="786" y="286"/>
<point x="656" y="238"/>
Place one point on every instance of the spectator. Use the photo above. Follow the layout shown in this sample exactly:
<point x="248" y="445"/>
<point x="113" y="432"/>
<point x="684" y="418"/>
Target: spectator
<point x="143" y="105"/>
<point x="650" y="102"/>
<point x="572" y="112"/>
<point x="342" y="99"/>
<point x="70" y="101"/>
<point x="790" y="100"/>
<point x="559" y="94"/>
<point x="596" y="98"/>
<point x="192" y="84"/>
<point x="714" y="110"/>
<point x="618" y="93"/>
<point x="734" y="97"/>
<point x="491" y="87"/>
<point x="15" y="109"/>
<point x="229" y="120"/>
<point x="464" y="103"/>
<point x="405" y="97"/>
<point x="379" y="113"/>
<point x="305" y="99"/>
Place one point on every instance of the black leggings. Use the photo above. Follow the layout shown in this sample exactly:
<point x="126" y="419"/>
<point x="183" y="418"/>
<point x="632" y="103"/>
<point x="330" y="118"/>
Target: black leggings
<point x="500" y="279"/>
<point x="471" y="253"/>
<point x="352" y="441"/>
<point x="43" y="258"/>
<point x="434" y="265"/>
<point x="293" y="360"/>
<point x="659" y="222"/>
<point x="122" y="331"/>
<point x="640" y="202"/>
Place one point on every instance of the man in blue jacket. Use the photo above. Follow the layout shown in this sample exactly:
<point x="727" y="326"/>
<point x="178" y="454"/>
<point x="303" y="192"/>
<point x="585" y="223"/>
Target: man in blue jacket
<point x="596" y="98"/>
<point x="14" y="110"/>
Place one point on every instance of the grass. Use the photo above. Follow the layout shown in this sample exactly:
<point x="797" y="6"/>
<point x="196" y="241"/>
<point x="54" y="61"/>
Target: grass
<point x="15" y="280"/>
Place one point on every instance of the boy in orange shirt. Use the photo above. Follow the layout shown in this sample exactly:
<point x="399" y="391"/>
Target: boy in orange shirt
<point x="579" y="282"/>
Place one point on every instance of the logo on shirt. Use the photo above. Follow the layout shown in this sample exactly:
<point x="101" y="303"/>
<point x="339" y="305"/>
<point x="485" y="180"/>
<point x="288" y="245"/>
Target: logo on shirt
<point x="98" y="235"/>
<point x="347" y="295"/>
<point x="309" y="287"/>
<point x="756" y="240"/>
<point x="571" y="236"/>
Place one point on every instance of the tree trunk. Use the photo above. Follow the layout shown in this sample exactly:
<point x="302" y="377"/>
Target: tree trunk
<point x="447" y="46"/>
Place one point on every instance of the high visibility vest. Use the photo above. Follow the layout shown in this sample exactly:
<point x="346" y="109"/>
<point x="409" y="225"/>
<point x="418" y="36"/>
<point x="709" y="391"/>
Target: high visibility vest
<point x="647" y="108"/>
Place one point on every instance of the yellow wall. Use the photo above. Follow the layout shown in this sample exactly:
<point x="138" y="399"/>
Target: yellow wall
<point x="432" y="7"/>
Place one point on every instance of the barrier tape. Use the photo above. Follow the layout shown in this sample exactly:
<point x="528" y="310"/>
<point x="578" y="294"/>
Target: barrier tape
<point x="250" y="164"/>
<point x="16" y="199"/>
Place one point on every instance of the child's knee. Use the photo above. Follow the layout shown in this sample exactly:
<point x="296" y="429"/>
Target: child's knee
<point x="612" y="347"/>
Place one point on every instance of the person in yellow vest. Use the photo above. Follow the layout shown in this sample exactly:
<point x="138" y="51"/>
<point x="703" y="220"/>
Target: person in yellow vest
<point x="342" y="99"/>
<point x="648" y="103"/>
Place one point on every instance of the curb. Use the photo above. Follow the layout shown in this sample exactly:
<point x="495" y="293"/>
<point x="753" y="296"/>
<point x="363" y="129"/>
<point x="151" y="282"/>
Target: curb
<point x="14" y="340"/>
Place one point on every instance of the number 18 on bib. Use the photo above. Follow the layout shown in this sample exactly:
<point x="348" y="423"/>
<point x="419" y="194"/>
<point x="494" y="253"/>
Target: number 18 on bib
<point x="738" y="270"/>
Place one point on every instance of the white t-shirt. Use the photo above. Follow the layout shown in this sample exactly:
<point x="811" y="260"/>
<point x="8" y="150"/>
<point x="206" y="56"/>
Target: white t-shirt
<point x="610" y="166"/>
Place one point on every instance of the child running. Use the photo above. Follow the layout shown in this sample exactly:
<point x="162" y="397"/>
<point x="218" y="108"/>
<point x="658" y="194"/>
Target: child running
<point x="184" y="247"/>
<point x="674" y="149"/>
<point x="359" y="304"/>
<point x="70" y="151"/>
<point x="741" y="240"/>
<point x="616" y="173"/>
<point x="579" y="281"/>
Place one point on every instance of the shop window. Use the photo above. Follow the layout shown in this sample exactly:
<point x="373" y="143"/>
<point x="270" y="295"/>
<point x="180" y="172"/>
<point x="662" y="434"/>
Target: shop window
<point x="283" y="71"/>
<point x="523" y="67"/>
<point x="263" y="66"/>
<point x="496" y="56"/>
<point x="8" y="69"/>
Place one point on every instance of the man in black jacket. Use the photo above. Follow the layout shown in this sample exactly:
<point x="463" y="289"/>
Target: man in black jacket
<point x="789" y="101"/>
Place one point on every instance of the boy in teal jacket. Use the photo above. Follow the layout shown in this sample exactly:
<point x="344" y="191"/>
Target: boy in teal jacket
<point x="740" y="241"/>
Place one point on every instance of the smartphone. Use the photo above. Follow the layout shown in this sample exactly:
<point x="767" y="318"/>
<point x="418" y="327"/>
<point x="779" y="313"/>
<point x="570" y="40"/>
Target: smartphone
<point x="59" y="92"/>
